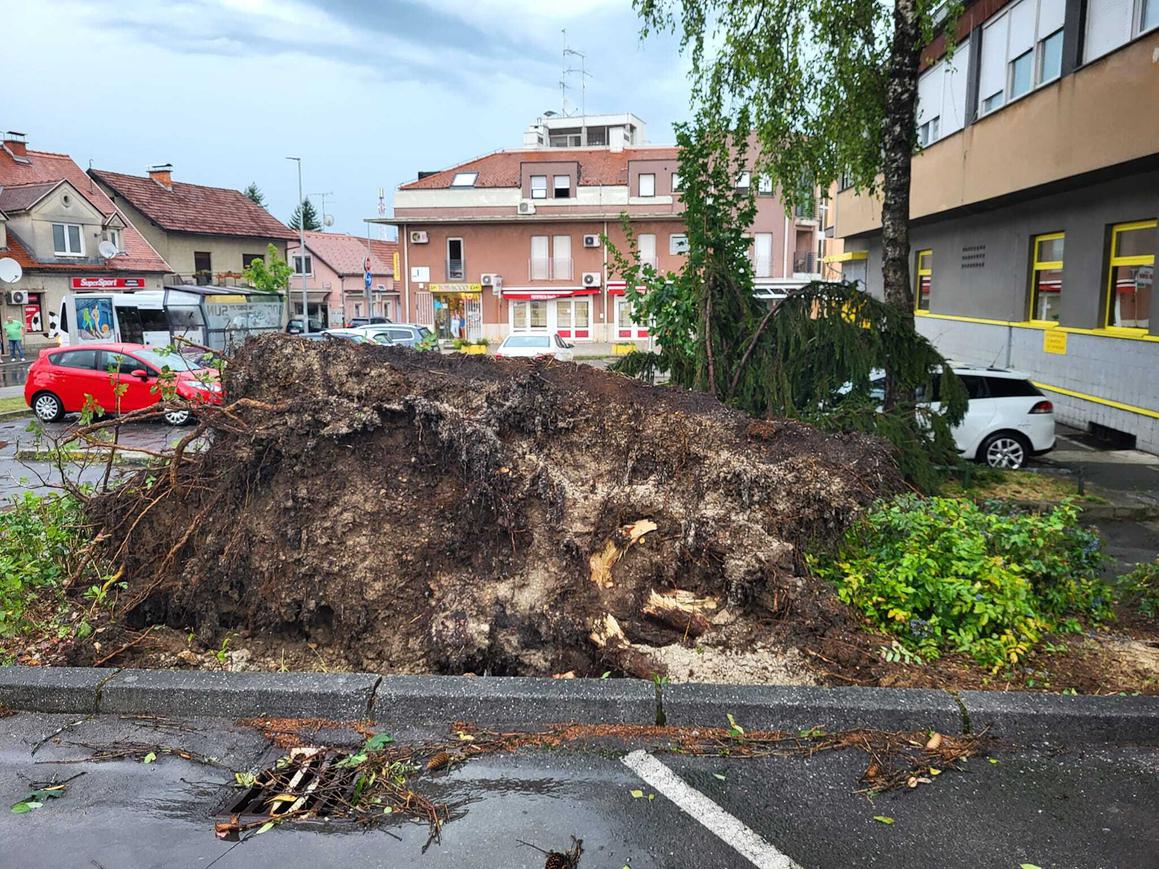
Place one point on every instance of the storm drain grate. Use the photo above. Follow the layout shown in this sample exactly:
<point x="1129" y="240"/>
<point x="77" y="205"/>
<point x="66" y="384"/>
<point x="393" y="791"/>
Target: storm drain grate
<point x="308" y="782"/>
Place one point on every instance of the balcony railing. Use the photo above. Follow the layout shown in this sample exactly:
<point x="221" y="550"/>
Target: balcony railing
<point x="545" y="269"/>
<point x="805" y="262"/>
<point x="456" y="270"/>
<point x="806" y="211"/>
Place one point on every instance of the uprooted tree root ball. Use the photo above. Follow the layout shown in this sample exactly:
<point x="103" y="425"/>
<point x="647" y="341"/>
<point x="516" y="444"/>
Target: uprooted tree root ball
<point x="411" y="512"/>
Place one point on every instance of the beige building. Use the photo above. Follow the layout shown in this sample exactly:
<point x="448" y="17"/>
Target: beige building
<point x="207" y="234"/>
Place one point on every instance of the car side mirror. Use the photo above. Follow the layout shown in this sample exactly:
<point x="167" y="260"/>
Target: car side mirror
<point x="141" y="374"/>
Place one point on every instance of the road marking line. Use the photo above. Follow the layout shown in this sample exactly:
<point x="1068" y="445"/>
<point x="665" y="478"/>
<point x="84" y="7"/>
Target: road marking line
<point x="728" y="828"/>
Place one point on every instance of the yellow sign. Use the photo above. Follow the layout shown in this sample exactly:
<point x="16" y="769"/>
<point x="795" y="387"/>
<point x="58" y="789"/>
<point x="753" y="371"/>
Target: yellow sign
<point x="230" y="298"/>
<point x="1054" y="341"/>
<point x="394" y="266"/>
<point x="456" y="288"/>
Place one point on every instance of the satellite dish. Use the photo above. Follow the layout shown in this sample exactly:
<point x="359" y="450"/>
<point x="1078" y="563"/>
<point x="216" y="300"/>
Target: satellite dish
<point x="10" y="271"/>
<point x="107" y="249"/>
<point x="328" y="220"/>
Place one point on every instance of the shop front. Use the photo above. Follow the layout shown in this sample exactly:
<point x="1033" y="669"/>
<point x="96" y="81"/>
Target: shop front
<point x="624" y="327"/>
<point x="565" y="312"/>
<point x="458" y="311"/>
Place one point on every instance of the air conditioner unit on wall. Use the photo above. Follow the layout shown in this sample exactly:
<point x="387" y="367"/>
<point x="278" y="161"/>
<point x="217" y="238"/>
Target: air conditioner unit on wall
<point x="591" y="240"/>
<point x="527" y="207"/>
<point x="490" y="280"/>
<point x="418" y="236"/>
<point x="16" y="297"/>
<point x="591" y="279"/>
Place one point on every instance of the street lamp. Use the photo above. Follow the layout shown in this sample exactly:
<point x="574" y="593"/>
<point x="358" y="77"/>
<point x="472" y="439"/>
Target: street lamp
<point x="302" y="250"/>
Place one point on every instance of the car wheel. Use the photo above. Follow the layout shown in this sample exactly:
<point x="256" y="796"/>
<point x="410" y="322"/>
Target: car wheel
<point x="1004" y="449"/>
<point x="47" y="407"/>
<point x="177" y="417"/>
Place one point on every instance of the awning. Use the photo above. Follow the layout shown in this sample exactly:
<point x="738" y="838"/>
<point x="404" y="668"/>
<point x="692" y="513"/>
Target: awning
<point x="619" y="288"/>
<point x="541" y="294"/>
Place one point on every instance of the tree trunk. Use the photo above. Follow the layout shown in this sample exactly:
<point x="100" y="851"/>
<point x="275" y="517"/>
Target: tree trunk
<point x="898" y="143"/>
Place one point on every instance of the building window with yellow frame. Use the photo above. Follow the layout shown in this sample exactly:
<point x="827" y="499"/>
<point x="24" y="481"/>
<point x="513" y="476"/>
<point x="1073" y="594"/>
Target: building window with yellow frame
<point x="924" y="280"/>
<point x="1131" y="275"/>
<point x="1046" y="277"/>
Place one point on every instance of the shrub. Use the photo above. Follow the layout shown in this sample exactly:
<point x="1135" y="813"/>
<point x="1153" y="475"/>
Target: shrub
<point x="948" y="575"/>
<point x="1140" y="586"/>
<point x="41" y="538"/>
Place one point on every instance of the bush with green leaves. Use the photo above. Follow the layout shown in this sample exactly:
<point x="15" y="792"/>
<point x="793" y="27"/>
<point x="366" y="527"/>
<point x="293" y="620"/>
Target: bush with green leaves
<point x="947" y="575"/>
<point x="41" y="541"/>
<point x="1140" y="587"/>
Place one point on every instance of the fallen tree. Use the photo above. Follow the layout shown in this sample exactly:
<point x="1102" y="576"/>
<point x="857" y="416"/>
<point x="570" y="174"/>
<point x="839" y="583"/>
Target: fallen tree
<point x="423" y="513"/>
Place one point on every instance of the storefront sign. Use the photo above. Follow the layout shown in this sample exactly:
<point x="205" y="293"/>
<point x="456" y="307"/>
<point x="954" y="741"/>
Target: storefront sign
<point x="394" y="271"/>
<point x="1054" y="341"/>
<point x="456" y="288"/>
<point x="108" y="283"/>
<point x="32" y="319"/>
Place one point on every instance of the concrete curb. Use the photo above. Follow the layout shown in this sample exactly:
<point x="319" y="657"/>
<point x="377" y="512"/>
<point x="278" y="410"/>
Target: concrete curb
<point x="128" y="457"/>
<point x="397" y="701"/>
<point x="14" y="414"/>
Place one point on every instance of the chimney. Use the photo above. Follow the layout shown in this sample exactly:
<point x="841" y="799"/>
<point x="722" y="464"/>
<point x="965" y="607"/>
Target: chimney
<point x="162" y="174"/>
<point x="16" y="144"/>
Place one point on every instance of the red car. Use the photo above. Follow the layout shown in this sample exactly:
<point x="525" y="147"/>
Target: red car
<point x="60" y="378"/>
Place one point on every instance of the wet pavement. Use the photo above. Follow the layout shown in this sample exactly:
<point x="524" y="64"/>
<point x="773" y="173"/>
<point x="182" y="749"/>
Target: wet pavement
<point x="19" y="435"/>
<point x="1097" y="806"/>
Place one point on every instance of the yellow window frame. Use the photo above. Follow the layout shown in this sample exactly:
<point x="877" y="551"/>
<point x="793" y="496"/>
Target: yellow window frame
<point x="919" y="273"/>
<point x="1147" y="259"/>
<point x="1037" y="266"/>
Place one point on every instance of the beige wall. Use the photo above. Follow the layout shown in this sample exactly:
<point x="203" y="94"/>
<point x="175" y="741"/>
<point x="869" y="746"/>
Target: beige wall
<point x="1102" y="115"/>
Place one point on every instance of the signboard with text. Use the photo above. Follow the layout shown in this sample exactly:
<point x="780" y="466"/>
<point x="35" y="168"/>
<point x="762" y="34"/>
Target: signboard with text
<point x="108" y="283"/>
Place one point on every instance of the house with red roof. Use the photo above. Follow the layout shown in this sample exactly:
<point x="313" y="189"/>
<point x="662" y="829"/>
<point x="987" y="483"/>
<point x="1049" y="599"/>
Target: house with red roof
<point x="54" y="220"/>
<point x="336" y="266"/>
<point x="207" y="234"/>
<point x="513" y="241"/>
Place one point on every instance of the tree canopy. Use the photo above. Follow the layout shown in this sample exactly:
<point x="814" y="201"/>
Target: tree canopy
<point x="254" y="194"/>
<point x="305" y="216"/>
<point x="269" y="275"/>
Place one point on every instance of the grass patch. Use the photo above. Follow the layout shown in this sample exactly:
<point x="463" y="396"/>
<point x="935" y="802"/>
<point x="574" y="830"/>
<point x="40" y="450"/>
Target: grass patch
<point x="947" y="575"/>
<point x="1016" y="486"/>
<point x="15" y="402"/>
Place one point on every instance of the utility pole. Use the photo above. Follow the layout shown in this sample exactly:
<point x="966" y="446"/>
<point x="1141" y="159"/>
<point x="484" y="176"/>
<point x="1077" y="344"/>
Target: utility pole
<point x="322" y="216"/>
<point x="302" y="252"/>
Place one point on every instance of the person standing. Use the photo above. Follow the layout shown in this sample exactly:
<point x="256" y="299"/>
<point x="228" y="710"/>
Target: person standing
<point x="14" y="332"/>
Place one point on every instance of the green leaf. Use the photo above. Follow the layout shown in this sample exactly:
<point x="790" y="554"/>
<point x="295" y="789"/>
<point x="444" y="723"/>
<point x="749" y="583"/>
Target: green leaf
<point x="637" y="794"/>
<point x="378" y="742"/>
<point x="1028" y="866"/>
<point x="24" y="806"/>
<point x="265" y="828"/>
<point x="607" y="674"/>
<point x="883" y="819"/>
<point x="149" y="758"/>
<point x="719" y="776"/>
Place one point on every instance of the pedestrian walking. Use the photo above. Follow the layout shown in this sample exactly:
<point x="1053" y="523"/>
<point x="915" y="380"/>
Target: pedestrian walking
<point x="14" y="332"/>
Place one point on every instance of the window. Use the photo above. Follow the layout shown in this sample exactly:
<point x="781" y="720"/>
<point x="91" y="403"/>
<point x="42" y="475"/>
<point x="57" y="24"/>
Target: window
<point x="1020" y="74"/>
<point x="1050" y="58"/>
<point x="1149" y="16"/>
<point x="647" y="184"/>
<point x="1131" y="274"/>
<point x="1009" y="387"/>
<point x="678" y="243"/>
<point x="764" y="186"/>
<point x="540" y="262"/>
<point x="456" y="267"/>
<point x="125" y="364"/>
<point x="743" y="181"/>
<point x="925" y="278"/>
<point x="647" y="245"/>
<point x="77" y="359"/>
<point x="247" y="259"/>
<point x="538" y="186"/>
<point x="114" y="235"/>
<point x="307" y="268"/>
<point x="67" y="239"/>
<point x="464" y="179"/>
<point x="561" y="257"/>
<point x="1021" y="49"/>
<point x="763" y="255"/>
<point x="942" y="96"/>
<point x="1046" y="277"/>
<point x="1111" y="23"/>
<point x="928" y="132"/>
<point x="675" y="182"/>
<point x="561" y="185"/>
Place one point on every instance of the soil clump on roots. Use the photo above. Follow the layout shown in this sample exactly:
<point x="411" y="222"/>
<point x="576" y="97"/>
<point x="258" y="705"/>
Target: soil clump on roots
<point x="410" y="512"/>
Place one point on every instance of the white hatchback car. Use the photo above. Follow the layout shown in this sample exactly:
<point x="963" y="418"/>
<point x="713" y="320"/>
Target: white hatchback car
<point x="539" y="346"/>
<point x="1007" y="421"/>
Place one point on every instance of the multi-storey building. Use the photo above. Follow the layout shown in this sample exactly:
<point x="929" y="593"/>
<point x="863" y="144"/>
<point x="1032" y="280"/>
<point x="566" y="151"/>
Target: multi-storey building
<point x="512" y="241"/>
<point x="1034" y="204"/>
<point x="336" y="266"/>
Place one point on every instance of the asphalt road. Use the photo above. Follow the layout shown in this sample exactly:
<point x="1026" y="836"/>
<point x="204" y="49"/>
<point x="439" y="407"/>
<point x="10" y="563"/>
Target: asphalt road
<point x="1095" y="806"/>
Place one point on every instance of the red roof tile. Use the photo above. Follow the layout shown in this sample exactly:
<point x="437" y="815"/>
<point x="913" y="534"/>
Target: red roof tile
<point x="47" y="167"/>
<point x="21" y="197"/>
<point x="347" y="253"/>
<point x="194" y="207"/>
<point x="597" y="166"/>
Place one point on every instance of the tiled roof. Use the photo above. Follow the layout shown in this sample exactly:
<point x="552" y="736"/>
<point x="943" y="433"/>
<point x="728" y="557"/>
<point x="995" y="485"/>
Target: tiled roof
<point x="385" y="251"/>
<point x="21" y="197"/>
<point x="345" y="254"/>
<point x="44" y="167"/>
<point x="597" y="166"/>
<point x="195" y="207"/>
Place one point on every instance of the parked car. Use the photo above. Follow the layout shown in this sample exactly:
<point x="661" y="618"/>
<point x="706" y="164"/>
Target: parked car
<point x="294" y="327"/>
<point x="357" y="336"/>
<point x="535" y="347"/>
<point x="367" y="321"/>
<point x="61" y="377"/>
<point x="1007" y="420"/>
<point x="402" y="334"/>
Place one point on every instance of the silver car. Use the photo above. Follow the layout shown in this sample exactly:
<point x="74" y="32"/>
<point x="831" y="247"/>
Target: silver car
<point x="539" y="346"/>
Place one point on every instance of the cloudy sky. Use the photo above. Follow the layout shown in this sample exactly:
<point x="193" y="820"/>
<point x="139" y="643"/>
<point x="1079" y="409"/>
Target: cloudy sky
<point x="367" y="92"/>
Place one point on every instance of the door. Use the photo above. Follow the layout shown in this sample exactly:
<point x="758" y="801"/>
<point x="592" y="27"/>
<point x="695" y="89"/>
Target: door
<point x="979" y="418"/>
<point x="573" y="318"/>
<point x="137" y="392"/>
<point x="75" y="375"/>
<point x="473" y="313"/>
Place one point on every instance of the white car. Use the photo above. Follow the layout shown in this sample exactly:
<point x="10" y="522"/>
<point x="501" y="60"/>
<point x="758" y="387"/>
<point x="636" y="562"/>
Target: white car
<point x="539" y="346"/>
<point x="1007" y="421"/>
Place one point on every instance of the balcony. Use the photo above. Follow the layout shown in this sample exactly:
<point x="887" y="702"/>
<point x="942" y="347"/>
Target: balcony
<point x="804" y="263"/>
<point x="806" y="211"/>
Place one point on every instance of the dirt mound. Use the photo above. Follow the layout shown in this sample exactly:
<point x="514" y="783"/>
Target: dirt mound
<point x="422" y="513"/>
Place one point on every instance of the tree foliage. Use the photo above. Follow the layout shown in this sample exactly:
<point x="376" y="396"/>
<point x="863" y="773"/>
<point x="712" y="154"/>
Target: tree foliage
<point x="305" y="216"/>
<point x="812" y="356"/>
<point x="254" y="194"/>
<point x="271" y="275"/>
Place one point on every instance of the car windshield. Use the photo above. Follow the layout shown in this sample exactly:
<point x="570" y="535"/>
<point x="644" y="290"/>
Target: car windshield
<point x="528" y="341"/>
<point x="161" y="360"/>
